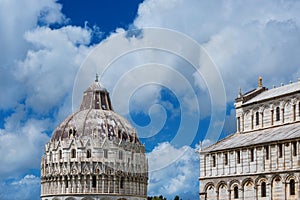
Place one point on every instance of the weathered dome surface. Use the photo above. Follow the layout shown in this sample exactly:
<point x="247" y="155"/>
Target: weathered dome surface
<point x="95" y="118"/>
<point x="95" y="123"/>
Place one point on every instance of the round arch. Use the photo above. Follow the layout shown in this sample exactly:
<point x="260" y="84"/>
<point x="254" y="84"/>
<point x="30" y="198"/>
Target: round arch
<point x="246" y="181"/>
<point x="208" y="185"/>
<point x="234" y="183"/>
<point x="261" y="178"/>
<point x="220" y="184"/>
<point x="290" y="176"/>
<point x="87" y="198"/>
<point x="70" y="198"/>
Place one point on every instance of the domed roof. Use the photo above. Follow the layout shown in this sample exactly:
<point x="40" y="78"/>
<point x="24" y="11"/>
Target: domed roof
<point x="96" y="119"/>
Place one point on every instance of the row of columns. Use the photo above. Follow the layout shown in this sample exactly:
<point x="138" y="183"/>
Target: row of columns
<point x="254" y="191"/>
<point x="273" y="118"/>
<point x="260" y="162"/>
<point x="85" y="184"/>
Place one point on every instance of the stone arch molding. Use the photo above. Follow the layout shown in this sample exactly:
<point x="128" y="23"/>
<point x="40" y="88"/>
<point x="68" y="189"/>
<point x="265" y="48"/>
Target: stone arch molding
<point x="261" y="179"/>
<point x="105" y="198"/>
<point x="221" y="184"/>
<point x="209" y="185"/>
<point x="234" y="183"/>
<point x="70" y="198"/>
<point x="291" y="176"/>
<point x="88" y="198"/>
<point x="246" y="181"/>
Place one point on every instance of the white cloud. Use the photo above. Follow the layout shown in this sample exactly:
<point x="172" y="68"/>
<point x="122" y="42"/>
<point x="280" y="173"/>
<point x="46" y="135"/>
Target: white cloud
<point x="29" y="179"/>
<point x="22" y="145"/>
<point x="179" y="177"/>
<point x="239" y="37"/>
<point x="56" y="56"/>
<point x="36" y="75"/>
<point x="27" y="187"/>
<point x="18" y="17"/>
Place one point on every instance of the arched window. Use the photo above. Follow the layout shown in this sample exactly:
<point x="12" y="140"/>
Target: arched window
<point x="263" y="189"/>
<point x="280" y="150"/>
<point x="103" y="101"/>
<point x="238" y="157"/>
<point x="59" y="154"/>
<point x="277" y="114"/>
<point x="292" y="187"/>
<point x="213" y="160"/>
<point x="236" y="192"/>
<point x="252" y="155"/>
<point x="88" y="153"/>
<point x="226" y="159"/>
<point x="257" y="118"/>
<point x="238" y="124"/>
<point x="267" y="152"/>
<point x="294" y="148"/>
<point x="73" y="153"/>
<point x="66" y="182"/>
<point x="97" y="100"/>
<point x="94" y="181"/>
<point x="122" y="183"/>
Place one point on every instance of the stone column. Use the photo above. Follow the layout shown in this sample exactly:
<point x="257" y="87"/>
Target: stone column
<point x="277" y="157"/>
<point x="97" y="183"/>
<point x="242" y="193"/>
<point x="298" y="188"/>
<point x="90" y="183"/>
<point x="285" y="185"/>
<point x="283" y="155"/>
<point x="108" y="184"/>
<point x="63" y="185"/>
<point x="256" y="159"/>
<point x="248" y="161"/>
<point x="229" y="194"/>
<point x="262" y="119"/>
<point x="270" y="157"/>
<point x="243" y="122"/>
<point x="79" y="184"/>
<point x="255" y="187"/>
<point x="84" y="184"/>
<point x="223" y="164"/>
<point x="291" y="155"/>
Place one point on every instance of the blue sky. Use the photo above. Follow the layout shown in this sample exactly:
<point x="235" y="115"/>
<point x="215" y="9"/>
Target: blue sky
<point x="45" y="45"/>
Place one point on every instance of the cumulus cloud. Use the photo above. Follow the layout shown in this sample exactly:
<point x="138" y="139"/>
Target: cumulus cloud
<point x="21" y="144"/>
<point x="179" y="176"/>
<point x="37" y="71"/>
<point x="56" y="56"/>
<point x="18" y="17"/>
<point x="29" y="179"/>
<point x="239" y="36"/>
<point x="27" y="187"/>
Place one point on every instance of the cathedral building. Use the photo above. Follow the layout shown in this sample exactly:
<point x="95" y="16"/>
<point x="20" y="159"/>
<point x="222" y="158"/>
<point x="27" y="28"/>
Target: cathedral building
<point x="94" y="154"/>
<point x="261" y="161"/>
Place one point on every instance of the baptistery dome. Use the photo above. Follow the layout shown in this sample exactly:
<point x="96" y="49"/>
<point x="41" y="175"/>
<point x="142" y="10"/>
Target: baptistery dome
<point x="94" y="154"/>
